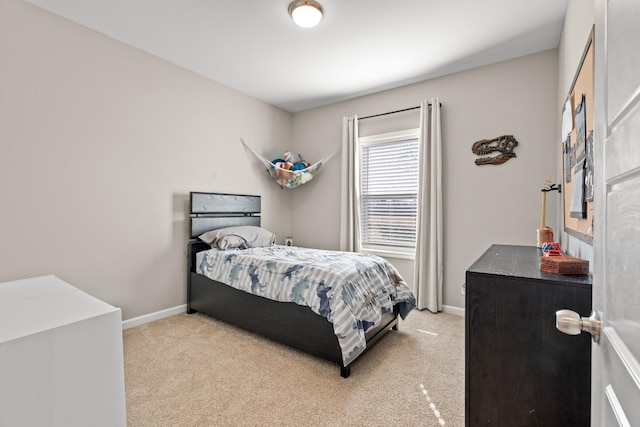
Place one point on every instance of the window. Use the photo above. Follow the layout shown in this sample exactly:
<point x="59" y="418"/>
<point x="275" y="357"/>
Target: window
<point x="388" y="179"/>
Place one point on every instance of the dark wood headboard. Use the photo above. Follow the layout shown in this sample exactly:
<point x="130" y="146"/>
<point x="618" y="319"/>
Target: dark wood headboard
<point x="211" y="211"/>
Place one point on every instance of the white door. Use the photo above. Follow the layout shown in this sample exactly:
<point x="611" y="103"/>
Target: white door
<point x="616" y="284"/>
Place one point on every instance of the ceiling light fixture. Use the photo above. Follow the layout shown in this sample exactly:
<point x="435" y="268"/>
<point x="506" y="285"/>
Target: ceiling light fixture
<point x="305" y="13"/>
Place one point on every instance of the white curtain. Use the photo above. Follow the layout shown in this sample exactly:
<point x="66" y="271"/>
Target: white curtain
<point x="349" y="210"/>
<point x="428" y="275"/>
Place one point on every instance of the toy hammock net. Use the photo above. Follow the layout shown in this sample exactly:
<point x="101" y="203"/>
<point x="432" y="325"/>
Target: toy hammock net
<point x="287" y="178"/>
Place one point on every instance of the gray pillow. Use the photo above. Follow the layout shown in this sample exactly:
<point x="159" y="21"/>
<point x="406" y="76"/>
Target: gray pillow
<point x="241" y="237"/>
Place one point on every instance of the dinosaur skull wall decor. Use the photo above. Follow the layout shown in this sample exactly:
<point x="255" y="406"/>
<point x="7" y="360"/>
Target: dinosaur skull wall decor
<point x="503" y="144"/>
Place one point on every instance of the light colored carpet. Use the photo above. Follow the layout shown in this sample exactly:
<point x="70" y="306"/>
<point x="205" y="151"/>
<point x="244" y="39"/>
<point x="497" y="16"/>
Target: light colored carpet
<point x="191" y="370"/>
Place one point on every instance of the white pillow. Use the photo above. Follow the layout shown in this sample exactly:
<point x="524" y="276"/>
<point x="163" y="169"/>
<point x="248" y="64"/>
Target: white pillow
<point x="241" y="237"/>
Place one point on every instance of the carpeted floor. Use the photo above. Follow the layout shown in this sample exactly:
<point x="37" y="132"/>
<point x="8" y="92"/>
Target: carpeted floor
<point x="191" y="370"/>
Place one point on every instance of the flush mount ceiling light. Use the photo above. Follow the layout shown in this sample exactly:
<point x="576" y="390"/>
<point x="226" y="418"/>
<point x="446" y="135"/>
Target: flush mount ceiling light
<point x="305" y="13"/>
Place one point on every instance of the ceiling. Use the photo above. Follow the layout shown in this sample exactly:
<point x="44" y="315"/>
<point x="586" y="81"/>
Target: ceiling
<point x="359" y="47"/>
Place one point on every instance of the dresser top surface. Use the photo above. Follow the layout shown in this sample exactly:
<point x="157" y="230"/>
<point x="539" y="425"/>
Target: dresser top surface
<point x="522" y="262"/>
<point x="37" y="304"/>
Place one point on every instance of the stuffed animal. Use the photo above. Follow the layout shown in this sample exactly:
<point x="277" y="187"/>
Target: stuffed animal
<point x="292" y="157"/>
<point x="282" y="165"/>
<point x="289" y="163"/>
<point x="282" y="169"/>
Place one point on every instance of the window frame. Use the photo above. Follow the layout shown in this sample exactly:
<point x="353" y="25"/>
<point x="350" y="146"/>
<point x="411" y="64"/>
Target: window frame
<point x="397" y="136"/>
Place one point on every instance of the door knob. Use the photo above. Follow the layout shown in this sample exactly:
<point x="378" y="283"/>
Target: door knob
<point x="570" y="323"/>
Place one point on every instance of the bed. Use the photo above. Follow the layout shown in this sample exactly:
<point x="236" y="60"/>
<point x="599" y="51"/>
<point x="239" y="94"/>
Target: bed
<point x="306" y="328"/>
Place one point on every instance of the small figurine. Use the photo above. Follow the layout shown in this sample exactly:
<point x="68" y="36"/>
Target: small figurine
<point x="544" y="233"/>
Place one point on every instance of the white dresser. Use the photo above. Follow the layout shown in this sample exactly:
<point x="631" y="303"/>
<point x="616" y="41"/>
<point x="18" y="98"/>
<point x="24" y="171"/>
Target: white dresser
<point x="61" y="358"/>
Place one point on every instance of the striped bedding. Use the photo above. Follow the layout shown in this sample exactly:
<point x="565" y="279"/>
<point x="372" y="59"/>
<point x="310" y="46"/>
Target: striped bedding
<point x="351" y="290"/>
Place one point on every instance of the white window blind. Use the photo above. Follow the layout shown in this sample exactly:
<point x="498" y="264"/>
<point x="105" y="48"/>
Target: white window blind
<point x="388" y="191"/>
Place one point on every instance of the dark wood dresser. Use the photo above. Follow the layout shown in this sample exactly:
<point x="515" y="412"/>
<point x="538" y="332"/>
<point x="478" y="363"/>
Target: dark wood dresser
<point x="520" y="370"/>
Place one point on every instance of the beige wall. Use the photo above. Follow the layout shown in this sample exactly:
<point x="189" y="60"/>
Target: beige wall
<point x="482" y="204"/>
<point x="101" y="144"/>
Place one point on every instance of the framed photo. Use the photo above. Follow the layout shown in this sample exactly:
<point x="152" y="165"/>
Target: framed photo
<point x="578" y="206"/>
<point x="567" y="160"/>
<point x="581" y="131"/>
<point x="588" y="169"/>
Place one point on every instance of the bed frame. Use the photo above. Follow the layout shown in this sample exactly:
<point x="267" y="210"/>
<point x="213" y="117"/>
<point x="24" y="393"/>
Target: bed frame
<point x="289" y="323"/>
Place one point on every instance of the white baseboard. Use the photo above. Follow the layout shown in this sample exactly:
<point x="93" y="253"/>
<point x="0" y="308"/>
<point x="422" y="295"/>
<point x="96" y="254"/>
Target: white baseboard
<point x="141" y="320"/>
<point x="146" y="318"/>
<point x="453" y="310"/>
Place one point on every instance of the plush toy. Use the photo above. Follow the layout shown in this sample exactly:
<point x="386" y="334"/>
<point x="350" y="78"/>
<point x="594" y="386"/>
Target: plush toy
<point x="289" y="163"/>
<point x="292" y="157"/>
<point x="292" y="161"/>
<point x="282" y="169"/>
<point x="282" y="165"/>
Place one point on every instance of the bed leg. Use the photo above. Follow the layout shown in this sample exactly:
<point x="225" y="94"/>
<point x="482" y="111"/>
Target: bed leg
<point x="191" y="310"/>
<point x="345" y="371"/>
<point x="394" y="326"/>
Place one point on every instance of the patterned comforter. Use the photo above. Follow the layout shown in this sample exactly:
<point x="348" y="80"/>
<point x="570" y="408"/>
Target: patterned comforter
<point x="351" y="290"/>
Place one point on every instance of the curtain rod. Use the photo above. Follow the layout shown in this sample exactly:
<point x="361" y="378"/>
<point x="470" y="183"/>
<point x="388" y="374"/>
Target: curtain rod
<point x="392" y="112"/>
